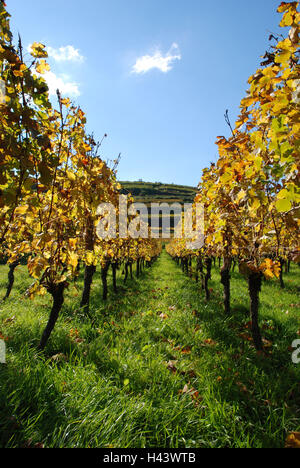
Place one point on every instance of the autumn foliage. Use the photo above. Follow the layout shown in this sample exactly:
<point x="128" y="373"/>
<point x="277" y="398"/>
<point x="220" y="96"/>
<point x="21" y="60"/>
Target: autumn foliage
<point x="251" y="195"/>
<point x="52" y="182"/>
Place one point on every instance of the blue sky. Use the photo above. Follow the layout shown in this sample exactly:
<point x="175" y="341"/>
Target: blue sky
<point x="155" y="75"/>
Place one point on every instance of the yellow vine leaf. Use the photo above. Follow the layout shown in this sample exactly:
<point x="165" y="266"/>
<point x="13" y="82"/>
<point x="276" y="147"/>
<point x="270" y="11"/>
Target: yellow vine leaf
<point x="73" y="260"/>
<point x="270" y="268"/>
<point x="89" y="258"/>
<point x="21" y="210"/>
<point x="42" y="67"/>
<point x="36" y="266"/>
<point x="71" y="176"/>
<point x="37" y="50"/>
<point x="255" y="205"/>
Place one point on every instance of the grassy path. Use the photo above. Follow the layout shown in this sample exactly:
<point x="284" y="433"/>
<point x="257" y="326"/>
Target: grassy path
<point x="163" y="369"/>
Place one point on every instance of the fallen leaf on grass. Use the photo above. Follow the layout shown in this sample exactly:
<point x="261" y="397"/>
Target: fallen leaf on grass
<point x="245" y="337"/>
<point x="267" y="403"/>
<point x="191" y="374"/>
<point x="193" y="393"/>
<point x="74" y="335"/>
<point x="267" y="343"/>
<point x="164" y="316"/>
<point x="79" y="340"/>
<point x="293" y="440"/>
<point x="209" y="342"/>
<point x="9" y="320"/>
<point x="242" y="387"/>
<point x="185" y="389"/>
<point x="2" y="337"/>
<point x="186" y="350"/>
<point x="171" y="366"/>
<point x="29" y="444"/>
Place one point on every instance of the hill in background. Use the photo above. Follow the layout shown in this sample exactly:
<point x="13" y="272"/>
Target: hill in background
<point x="149" y="192"/>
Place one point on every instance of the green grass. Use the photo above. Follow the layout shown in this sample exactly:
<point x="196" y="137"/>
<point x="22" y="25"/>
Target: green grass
<point x="122" y="386"/>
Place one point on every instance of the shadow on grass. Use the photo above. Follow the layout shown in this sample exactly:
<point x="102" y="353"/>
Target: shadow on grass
<point x="23" y="383"/>
<point x="265" y="387"/>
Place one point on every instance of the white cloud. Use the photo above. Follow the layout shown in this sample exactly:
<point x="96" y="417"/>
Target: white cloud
<point x="65" y="54"/>
<point x="164" y="63"/>
<point x="63" y="83"/>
